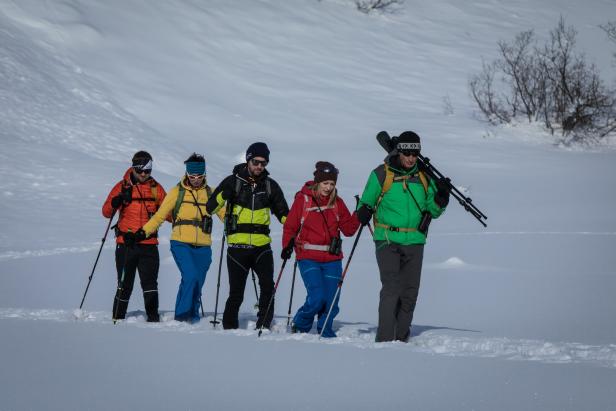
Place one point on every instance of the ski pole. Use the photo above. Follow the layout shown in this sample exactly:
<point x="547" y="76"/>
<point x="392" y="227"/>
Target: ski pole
<point x="291" y="298"/>
<point x="269" y="305"/>
<point x="222" y="250"/>
<point x="97" y="257"/>
<point x="346" y="267"/>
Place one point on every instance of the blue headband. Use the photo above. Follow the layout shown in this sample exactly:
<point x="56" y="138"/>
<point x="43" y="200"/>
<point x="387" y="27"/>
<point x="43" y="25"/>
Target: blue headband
<point x="195" y="167"/>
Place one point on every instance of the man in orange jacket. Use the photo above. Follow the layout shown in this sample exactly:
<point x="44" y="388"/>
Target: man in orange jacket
<point x="137" y="197"/>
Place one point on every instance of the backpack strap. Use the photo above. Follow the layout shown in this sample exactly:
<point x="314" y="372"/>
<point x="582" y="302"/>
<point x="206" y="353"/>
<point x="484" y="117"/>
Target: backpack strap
<point x="178" y="201"/>
<point x="385" y="186"/>
<point x="424" y="181"/>
<point x="307" y="204"/>
<point x="238" y="187"/>
<point x="154" y="190"/>
<point x="268" y="187"/>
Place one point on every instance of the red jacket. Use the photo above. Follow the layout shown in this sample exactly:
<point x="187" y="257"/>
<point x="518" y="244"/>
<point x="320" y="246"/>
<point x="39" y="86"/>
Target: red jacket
<point x="139" y="211"/>
<point x="315" y="231"/>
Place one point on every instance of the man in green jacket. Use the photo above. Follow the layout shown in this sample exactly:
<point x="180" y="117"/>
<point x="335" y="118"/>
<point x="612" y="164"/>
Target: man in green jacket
<point x="402" y="199"/>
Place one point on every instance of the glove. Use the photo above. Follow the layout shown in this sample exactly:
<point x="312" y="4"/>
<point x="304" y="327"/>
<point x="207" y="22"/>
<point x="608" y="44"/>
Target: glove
<point x="130" y="238"/>
<point x="364" y="213"/>
<point x="288" y="250"/>
<point x="124" y="198"/>
<point x="442" y="193"/>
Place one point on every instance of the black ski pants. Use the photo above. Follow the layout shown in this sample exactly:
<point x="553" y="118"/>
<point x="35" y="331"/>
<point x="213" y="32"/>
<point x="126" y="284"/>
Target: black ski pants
<point x="142" y="257"/>
<point x="239" y="263"/>
<point x="400" y="269"/>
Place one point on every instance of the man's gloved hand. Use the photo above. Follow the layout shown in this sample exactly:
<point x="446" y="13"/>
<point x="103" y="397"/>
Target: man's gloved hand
<point x="288" y="250"/>
<point x="124" y="198"/>
<point x="364" y="213"/>
<point x="130" y="238"/>
<point x="443" y="186"/>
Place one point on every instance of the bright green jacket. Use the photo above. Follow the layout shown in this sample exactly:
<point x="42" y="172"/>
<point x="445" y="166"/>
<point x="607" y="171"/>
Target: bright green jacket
<point x="397" y="208"/>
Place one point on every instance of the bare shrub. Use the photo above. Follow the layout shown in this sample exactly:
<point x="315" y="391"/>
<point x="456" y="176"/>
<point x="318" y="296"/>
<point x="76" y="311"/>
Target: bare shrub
<point x="550" y="83"/>
<point x="367" y="6"/>
<point x="610" y="30"/>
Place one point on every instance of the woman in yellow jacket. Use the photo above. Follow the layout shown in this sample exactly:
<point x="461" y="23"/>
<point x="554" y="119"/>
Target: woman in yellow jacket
<point x="191" y="235"/>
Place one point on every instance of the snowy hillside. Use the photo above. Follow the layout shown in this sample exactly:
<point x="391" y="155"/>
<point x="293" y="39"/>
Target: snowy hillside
<point x="516" y="316"/>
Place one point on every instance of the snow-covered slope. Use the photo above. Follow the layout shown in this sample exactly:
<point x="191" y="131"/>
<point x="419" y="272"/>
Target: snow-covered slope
<point x="85" y="84"/>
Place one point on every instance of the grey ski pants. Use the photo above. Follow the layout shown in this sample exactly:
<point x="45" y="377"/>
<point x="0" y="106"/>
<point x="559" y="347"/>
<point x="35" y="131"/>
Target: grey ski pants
<point x="400" y="269"/>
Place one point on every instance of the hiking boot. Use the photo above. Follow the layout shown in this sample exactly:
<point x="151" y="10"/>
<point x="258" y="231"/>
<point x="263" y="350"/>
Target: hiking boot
<point x="154" y="319"/>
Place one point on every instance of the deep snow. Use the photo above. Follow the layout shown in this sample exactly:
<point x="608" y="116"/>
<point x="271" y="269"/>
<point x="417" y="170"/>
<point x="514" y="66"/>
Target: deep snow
<point x="516" y="316"/>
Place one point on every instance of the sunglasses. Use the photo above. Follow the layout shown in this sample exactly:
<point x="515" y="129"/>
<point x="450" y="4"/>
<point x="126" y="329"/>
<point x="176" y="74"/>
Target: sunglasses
<point x="140" y="170"/>
<point x="195" y="176"/>
<point x="256" y="162"/>
<point x="408" y="153"/>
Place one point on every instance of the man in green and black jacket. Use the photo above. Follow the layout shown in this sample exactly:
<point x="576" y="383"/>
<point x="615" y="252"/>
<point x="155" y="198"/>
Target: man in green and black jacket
<point x="399" y="196"/>
<point x="250" y="196"/>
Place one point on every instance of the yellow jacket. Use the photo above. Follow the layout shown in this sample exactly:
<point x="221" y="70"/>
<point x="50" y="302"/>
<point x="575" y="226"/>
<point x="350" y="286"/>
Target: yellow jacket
<point x="188" y="211"/>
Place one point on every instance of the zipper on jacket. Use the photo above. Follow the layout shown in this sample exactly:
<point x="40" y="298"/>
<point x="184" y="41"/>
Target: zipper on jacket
<point x="252" y="215"/>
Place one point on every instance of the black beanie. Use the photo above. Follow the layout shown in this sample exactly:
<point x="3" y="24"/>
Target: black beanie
<point x="325" y="171"/>
<point x="257" y="150"/>
<point x="409" y="141"/>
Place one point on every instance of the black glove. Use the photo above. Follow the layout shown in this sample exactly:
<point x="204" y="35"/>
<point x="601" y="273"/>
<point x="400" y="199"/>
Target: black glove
<point x="443" y="186"/>
<point x="288" y="250"/>
<point x="364" y="213"/>
<point x="130" y="238"/>
<point x="124" y="198"/>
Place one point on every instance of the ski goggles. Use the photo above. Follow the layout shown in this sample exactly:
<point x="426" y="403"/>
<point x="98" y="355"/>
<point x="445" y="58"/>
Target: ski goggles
<point x="195" y="176"/>
<point x="256" y="162"/>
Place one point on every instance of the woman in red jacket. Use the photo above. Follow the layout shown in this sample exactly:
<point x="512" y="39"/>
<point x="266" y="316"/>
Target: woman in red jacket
<point x="315" y="221"/>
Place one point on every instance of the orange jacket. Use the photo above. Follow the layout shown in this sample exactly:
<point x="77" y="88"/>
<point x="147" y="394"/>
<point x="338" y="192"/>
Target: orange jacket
<point x="141" y="208"/>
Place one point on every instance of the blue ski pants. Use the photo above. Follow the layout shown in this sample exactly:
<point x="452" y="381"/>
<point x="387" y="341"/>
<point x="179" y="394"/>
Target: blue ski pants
<point x="321" y="281"/>
<point x="193" y="262"/>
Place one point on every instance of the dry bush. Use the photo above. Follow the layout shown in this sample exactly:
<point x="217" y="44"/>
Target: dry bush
<point x="550" y="83"/>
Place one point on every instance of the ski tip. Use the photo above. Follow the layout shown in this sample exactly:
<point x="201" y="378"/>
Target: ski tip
<point x="382" y="135"/>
